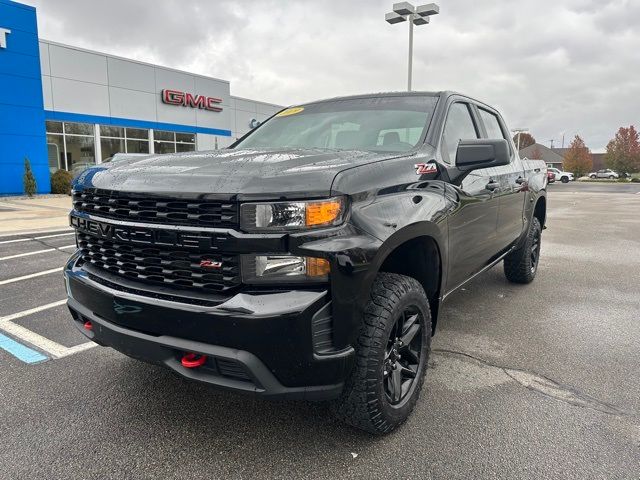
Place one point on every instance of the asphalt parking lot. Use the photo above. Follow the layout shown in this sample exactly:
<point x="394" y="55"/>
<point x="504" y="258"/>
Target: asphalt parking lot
<point x="537" y="381"/>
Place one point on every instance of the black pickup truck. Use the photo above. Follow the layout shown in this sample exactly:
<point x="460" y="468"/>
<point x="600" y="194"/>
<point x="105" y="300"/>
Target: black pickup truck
<point x="310" y="259"/>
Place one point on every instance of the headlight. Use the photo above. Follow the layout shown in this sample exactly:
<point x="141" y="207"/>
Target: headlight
<point x="260" y="269"/>
<point x="285" y="216"/>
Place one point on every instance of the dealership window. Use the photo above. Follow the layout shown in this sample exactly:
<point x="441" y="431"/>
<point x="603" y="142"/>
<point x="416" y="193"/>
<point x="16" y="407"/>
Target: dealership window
<point x="122" y="140"/>
<point x="172" y="142"/>
<point x="70" y="146"/>
<point x="55" y="152"/>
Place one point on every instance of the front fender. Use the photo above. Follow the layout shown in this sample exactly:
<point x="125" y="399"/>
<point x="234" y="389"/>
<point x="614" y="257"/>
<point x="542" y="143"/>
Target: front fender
<point x="385" y="223"/>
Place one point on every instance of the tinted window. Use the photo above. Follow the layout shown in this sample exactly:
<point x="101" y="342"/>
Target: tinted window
<point x="492" y="124"/>
<point x="459" y="126"/>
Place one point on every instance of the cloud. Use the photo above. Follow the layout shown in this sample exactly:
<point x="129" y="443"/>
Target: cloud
<point x="550" y="66"/>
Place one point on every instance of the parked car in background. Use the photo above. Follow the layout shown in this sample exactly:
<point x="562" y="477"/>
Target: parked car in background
<point x="604" y="173"/>
<point x="551" y="177"/>
<point x="564" y="177"/>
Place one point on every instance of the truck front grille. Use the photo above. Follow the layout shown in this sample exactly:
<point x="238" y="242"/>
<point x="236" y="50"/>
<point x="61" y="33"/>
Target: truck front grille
<point x="156" y="209"/>
<point x="160" y="265"/>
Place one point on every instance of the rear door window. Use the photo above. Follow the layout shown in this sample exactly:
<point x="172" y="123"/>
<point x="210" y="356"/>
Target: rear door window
<point x="491" y="124"/>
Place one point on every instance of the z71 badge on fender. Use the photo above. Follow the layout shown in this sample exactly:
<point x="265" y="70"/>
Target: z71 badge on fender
<point x="424" y="168"/>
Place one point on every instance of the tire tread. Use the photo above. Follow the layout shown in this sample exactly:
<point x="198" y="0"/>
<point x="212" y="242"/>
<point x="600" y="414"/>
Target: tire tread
<point x="359" y="404"/>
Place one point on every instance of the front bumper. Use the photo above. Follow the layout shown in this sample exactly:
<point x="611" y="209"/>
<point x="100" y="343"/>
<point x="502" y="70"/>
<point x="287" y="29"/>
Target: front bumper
<point x="255" y="343"/>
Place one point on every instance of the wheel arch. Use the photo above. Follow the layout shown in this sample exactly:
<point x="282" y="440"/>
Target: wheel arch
<point x="540" y="210"/>
<point x="416" y="251"/>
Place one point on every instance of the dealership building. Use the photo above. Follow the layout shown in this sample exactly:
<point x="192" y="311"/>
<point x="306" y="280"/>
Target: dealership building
<point x="64" y="107"/>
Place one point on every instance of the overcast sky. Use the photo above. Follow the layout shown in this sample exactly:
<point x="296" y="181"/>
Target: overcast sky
<point x="553" y="66"/>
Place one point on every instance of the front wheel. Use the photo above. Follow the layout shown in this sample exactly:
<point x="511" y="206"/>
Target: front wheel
<point x="521" y="265"/>
<point x="592" y="176"/>
<point x="391" y="356"/>
<point x="611" y="177"/>
<point x="565" y="179"/>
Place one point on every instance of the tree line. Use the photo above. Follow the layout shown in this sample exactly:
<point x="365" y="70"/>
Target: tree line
<point x="623" y="152"/>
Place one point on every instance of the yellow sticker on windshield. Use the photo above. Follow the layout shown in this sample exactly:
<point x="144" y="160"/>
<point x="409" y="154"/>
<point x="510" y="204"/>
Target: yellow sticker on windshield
<point x="290" y="111"/>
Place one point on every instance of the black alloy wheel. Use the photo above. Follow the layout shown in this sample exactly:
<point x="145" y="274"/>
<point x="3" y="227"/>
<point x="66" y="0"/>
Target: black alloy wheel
<point x="535" y="251"/>
<point x="402" y="355"/>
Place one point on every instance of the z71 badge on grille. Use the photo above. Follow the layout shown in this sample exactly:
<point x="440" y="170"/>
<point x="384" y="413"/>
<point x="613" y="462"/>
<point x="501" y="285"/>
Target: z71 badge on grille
<point x="425" y="168"/>
<point x="210" y="264"/>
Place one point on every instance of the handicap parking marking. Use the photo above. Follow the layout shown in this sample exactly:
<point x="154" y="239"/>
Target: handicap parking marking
<point x="31" y="275"/>
<point x="53" y="349"/>
<point x="46" y="250"/>
<point x="21" y="352"/>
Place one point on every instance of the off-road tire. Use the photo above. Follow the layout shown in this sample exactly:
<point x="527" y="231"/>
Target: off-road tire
<point x="363" y="403"/>
<point x="519" y="265"/>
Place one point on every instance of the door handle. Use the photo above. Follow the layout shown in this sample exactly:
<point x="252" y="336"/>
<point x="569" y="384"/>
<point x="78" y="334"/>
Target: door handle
<point x="520" y="180"/>
<point x="492" y="185"/>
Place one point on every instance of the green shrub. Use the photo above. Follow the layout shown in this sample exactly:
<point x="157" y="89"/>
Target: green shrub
<point x="29" y="180"/>
<point x="61" y="182"/>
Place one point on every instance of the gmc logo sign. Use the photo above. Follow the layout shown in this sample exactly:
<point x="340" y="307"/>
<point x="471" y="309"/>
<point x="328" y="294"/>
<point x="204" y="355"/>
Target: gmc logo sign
<point x="176" y="97"/>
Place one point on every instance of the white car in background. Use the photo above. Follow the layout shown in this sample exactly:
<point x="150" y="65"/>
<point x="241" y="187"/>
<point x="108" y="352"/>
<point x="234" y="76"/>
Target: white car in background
<point x="604" y="173"/>
<point x="564" y="177"/>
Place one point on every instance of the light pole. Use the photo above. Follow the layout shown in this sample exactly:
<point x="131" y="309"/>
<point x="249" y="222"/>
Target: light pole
<point x="404" y="11"/>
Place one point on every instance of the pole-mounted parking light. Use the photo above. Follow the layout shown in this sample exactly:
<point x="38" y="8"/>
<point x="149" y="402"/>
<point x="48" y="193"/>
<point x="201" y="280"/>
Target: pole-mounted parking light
<point x="405" y="11"/>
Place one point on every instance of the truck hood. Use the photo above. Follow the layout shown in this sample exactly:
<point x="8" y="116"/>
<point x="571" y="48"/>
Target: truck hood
<point x="229" y="173"/>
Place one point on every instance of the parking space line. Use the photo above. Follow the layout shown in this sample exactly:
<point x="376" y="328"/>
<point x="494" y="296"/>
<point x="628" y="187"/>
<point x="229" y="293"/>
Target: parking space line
<point x="32" y="275"/>
<point x="31" y="311"/>
<point x="36" y="232"/>
<point x="18" y="255"/>
<point x="54" y="349"/>
<point x="21" y="352"/>
<point x="30" y="239"/>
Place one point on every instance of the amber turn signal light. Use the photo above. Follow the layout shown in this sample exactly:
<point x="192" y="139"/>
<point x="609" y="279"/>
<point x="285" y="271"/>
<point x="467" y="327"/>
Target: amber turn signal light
<point x="317" y="267"/>
<point x="323" y="213"/>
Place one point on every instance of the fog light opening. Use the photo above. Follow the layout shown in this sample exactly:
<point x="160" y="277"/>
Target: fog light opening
<point x="88" y="325"/>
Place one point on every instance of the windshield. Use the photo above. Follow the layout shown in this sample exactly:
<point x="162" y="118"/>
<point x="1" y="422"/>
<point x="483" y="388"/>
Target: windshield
<point x="390" y="124"/>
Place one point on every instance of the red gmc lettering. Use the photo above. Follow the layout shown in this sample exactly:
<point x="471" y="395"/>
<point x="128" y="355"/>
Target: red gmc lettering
<point x="194" y="102"/>
<point x="173" y="97"/>
<point x="176" y="97"/>
<point x="211" y="101"/>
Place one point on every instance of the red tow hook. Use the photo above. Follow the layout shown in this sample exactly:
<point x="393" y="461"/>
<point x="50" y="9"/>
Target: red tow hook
<point x="193" y="360"/>
<point x="88" y="325"/>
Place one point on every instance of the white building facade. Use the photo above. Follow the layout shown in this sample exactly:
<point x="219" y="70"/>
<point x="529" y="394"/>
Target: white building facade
<point x="97" y="105"/>
<point x="63" y="107"/>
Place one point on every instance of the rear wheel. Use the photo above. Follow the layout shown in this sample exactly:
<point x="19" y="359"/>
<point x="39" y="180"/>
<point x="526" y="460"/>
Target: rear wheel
<point x="521" y="265"/>
<point x="391" y="356"/>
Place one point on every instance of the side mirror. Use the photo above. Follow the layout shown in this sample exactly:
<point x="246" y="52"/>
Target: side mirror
<point x="483" y="153"/>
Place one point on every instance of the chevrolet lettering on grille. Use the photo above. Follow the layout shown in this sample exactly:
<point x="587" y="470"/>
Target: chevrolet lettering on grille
<point x="141" y="235"/>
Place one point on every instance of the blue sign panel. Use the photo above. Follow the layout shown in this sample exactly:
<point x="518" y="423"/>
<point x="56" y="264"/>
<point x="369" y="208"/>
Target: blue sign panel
<point x="22" y="128"/>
